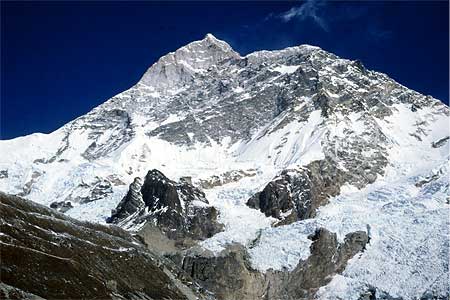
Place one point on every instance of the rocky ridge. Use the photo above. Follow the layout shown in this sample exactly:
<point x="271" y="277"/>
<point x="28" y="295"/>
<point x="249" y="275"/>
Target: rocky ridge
<point x="179" y="210"/>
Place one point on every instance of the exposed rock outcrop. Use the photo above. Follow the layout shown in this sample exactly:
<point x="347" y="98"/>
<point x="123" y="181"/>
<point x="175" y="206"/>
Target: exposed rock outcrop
<point x="47" y="254"/>
<point x="328" y="257"/>
<point x="99" y="188"/>
<point x="10" y="292"/>
<point x="441" y="142"/>
<point x="119" y="122"/>
<point x="3" y="174"/>
<point x="229" y="275"/>
<point x="61" y="206"/>
<point x="179" y="211"/>
<point x="296" y="194"/>
<point x="226" y="177"/>
<point x="29" y="184"/>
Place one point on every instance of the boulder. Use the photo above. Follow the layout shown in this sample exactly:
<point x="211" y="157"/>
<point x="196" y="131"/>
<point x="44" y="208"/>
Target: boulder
<point x="61" y="206"/>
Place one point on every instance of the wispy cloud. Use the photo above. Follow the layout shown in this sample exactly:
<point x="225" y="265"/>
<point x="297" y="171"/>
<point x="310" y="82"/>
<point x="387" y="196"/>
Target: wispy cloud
<point x="308" y="10"/>
<point x="336" y="17"/>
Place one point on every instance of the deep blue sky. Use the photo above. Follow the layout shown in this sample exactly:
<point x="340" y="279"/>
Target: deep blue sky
<point x="60" y="59"/>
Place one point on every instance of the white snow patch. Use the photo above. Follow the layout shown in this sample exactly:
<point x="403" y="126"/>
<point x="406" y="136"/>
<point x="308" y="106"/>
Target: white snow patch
<point x="281" y="248"/>
<point x="283" y="69"/>
<point x="242" y="223"/>
<point x="172" y="119"/>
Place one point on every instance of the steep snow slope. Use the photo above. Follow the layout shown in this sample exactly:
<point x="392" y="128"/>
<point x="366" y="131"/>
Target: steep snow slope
<point x="205" y="111"/>
<point x="409" y="226"/>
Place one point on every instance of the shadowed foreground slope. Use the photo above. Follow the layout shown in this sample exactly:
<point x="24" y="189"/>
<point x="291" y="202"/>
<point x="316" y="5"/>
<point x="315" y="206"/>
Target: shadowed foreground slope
<point x="53" y="256"/>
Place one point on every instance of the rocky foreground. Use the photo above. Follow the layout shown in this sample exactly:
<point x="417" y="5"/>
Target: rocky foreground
<point x="46" y="254"/>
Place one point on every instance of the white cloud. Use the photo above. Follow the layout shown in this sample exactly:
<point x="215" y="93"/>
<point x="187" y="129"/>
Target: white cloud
<point x="308" y="9"/>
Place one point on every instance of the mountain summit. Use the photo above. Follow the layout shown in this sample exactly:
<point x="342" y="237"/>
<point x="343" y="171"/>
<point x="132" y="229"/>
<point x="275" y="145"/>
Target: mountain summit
<point x="294" y="172"/>
<point x="177" y="68"/>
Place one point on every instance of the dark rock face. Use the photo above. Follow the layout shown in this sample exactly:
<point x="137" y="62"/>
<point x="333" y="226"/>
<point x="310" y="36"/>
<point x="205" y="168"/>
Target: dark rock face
<point x="10" y="292"/>
<point x="230" y="276"/>
<point x="3" y="174"/>
<point x="179" y="210"/>
<point x="374" y="294"/>
<point x="130" y="204"/>
<point x="440" y="143"/>
<point x="276" y="198"/>
<point x="296" y="194"/>
<point x="118" y="121"/>
<point x="328" y="257"/>
<point x="159" y="192"/>
<point x="61" y="206"/>
<point x="49" y="255"/>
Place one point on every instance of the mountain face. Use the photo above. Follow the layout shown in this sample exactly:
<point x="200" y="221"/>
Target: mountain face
<point x="280" y="174"/>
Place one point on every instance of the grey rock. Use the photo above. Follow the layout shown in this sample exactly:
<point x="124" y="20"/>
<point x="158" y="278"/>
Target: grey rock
<point x="296" y="194"/>
<point x="440" y="142"/>
<point x="229" y="275"/>
<point x="46" y="254"/>
<point x="130" y="204"/>
<point x="224" y="178"/>
<point x="328" y="257"/>
<point x="10" y="292"/>
<point x="169" y="206"/>
<point x="376" y="294"/>
<point x="29" y="184"/>
<point x="61" y="206"/>
<point x="98" y="189"/>
<point x="3" y="174"/>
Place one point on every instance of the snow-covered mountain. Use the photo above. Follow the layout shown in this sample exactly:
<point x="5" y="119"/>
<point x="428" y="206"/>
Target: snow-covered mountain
<point x="314" y="140"/>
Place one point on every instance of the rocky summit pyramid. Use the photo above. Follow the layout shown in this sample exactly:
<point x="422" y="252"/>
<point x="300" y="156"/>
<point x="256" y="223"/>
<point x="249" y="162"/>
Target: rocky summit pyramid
<point x="287" y="174"/>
